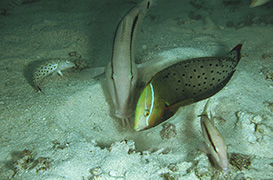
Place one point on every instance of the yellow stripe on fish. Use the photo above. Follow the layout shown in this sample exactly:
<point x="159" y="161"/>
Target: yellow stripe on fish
<point x="183" y="83"/>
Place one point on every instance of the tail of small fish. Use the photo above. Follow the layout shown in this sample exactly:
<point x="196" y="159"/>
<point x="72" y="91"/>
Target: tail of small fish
<point x="256" y="3"/>
<point x="235" y="53"/>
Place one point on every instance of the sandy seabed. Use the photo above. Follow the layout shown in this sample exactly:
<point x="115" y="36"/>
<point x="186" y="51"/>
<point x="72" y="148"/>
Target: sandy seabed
<point x="69" y="131"/>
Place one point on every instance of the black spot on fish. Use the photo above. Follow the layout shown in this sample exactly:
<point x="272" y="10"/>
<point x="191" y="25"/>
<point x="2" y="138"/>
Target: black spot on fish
<point x="198" y="76"/>
<point x="174" y="74"/>
<point x="212" y="79"/>
<point x="183" y="74"/>
<point x="204" y="82"/>
<point x="178" y="80"/>
<point x="211" y="71"/>
<point x="205" y="78"/>
<point x="190" y="77"/>
<point x="210" y="64"/>
<point x="194" y="70"/>
<point x="176" y="89"/>
<point x="211" y="84"/>
<point x="201" y="66"/>
<point x="216" y="65"/>
<point x="165" y="77"/>
<point x="219" y="80"/>
<point x="193" y="86"/>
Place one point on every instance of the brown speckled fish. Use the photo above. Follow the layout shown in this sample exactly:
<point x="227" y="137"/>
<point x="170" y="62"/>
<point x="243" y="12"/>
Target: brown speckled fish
<point x="48" y="68"/>
<point x="181" y="84"/>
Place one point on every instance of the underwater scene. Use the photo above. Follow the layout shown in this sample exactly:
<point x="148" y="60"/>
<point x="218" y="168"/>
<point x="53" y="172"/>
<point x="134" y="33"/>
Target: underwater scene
<point x="136" y="89"/>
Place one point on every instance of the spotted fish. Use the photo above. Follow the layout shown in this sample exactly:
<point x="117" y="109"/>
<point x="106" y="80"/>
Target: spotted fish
<point x="183" y="83"/>
<point x="48" y="68"/>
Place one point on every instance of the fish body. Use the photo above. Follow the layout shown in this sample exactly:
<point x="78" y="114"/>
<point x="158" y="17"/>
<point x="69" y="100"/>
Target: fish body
<point x="256" y="3"/>
<point x="214" y="142"/>
<point x="48" y="68"/>
<point x="183" y="83"/>
<point x="121" y="72"/>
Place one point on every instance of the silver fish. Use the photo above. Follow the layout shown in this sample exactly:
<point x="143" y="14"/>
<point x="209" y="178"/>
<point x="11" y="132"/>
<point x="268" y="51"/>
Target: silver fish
<point x="214" y="142"/>
<point x="121" y="72"/>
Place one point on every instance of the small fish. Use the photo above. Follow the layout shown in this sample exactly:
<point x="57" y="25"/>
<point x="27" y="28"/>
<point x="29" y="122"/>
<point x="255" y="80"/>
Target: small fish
<point x="256" y="3"/>
<point x="121" y="72"/>
<point x="181" y="84"/>
<point x="214" y="142"/>
<point x="49" y="68"/>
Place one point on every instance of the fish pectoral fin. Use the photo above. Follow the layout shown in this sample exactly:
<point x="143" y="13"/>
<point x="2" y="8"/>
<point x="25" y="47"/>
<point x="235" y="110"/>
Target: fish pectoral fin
<point x="211" y="119"/>
<point x="60" y="73"/>
<point x="174" y="107"/>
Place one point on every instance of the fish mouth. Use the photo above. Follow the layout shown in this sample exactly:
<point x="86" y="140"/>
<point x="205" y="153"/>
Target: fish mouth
<point x="138" y="128"/>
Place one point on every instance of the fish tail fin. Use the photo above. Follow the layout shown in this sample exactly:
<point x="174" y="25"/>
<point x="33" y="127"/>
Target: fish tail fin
<point x="235" y="53"/>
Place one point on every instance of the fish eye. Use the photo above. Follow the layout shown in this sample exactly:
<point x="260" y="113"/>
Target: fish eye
<point x="146" y="112"/>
